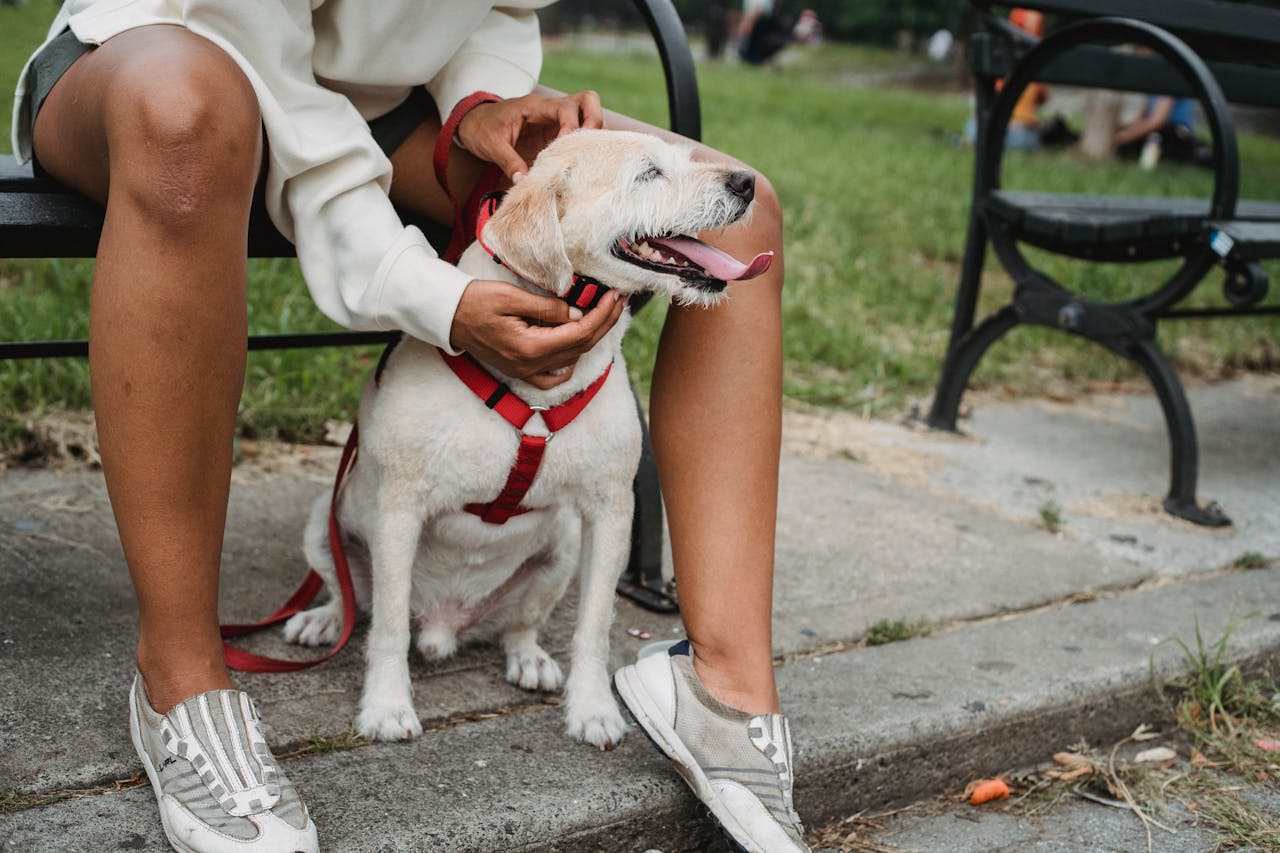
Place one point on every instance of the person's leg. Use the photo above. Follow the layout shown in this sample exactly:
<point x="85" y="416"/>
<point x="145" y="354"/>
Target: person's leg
<point x="161" y="127"/>
<point x="716" y="421"/>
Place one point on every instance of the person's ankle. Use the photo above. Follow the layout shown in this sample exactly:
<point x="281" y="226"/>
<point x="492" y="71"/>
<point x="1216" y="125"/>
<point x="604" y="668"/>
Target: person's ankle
<point x="751" y="694"/>
<point x="172" y="678"/>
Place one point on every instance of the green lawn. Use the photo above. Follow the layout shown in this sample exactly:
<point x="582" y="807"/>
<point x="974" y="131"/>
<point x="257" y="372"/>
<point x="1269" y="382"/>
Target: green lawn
<point x="875" y="192"/>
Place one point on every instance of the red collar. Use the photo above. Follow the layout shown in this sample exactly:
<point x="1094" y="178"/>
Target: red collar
<point x="497" y="396"/>
<point x="585" y="291"/>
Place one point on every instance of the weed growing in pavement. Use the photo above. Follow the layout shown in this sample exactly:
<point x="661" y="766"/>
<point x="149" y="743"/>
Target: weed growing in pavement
<point x="1219" y="769"/>
<point x="1051" y="517"/>
<point x="1250" y="560"/>
<point x="15" y="801"/>
<point x="894" y="631"/>
<point x="1216" y="697"/>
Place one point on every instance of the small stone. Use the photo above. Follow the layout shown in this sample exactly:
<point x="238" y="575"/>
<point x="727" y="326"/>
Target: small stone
<point x="1155" y="755"/>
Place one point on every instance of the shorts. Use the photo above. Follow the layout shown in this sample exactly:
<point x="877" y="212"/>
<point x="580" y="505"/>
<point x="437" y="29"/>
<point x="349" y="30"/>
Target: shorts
<point x="389" y="130"/>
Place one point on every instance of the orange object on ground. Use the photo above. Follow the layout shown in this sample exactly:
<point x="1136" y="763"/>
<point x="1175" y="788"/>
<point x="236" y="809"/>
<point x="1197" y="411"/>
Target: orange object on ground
<point x="982" y="791"/>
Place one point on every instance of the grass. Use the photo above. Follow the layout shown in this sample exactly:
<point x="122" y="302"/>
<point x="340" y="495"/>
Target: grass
<point x="1051" y="517"/>
<point x="1251" y="560"/>
<point x="887" y="631"/>
<point x="875" y="194"/>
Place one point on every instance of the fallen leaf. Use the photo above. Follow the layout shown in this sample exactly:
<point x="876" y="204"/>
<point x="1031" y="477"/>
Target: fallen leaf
<point x="1069" y="775"/>
<point x="1071" y="760"/>
<point x="1198" y="760"/>
<point x="1267" y="744"/>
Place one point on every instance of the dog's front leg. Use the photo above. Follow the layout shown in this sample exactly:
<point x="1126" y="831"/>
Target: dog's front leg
<point x="591" y="712"/>
<point x="386" y="706"/>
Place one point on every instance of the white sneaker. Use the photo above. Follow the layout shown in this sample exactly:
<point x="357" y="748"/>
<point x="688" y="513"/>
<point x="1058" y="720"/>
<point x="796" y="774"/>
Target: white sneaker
<point x="738" y="764"/>
<point x="218" y="786"/>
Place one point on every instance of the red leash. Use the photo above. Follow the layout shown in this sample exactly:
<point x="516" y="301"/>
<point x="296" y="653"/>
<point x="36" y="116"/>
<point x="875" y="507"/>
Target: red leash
<point x="247" y="661"/>
<point x="463" y="231"/>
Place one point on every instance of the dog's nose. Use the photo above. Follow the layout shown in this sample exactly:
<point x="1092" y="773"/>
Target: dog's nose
<point x="742" y="183"/>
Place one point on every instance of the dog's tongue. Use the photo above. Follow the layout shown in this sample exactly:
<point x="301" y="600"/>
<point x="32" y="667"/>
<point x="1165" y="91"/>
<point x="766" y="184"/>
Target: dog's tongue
<point x="714" y="261"/>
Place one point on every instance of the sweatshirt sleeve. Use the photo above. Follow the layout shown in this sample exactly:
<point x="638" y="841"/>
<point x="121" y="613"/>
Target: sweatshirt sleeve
<point x="503" y="56"/>
<point x="327" y="180"/>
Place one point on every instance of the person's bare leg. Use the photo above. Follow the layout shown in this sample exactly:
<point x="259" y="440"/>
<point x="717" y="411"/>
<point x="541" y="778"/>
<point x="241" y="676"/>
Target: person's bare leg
<point x="163" y="128"/>
<point x="716" y="421"/>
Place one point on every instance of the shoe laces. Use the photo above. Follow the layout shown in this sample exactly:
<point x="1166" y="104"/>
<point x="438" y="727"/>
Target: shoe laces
<point x="221" y="735"/>
<point x="771" y="734"/>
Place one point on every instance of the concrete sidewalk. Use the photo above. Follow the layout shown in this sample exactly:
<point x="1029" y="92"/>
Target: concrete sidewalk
<point x="1043" y="639"/>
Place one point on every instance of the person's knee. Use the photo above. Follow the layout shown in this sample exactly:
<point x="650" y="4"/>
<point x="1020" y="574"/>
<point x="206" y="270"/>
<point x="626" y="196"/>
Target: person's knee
<point x="185" y="140"/>
<point x="768" y="209"/>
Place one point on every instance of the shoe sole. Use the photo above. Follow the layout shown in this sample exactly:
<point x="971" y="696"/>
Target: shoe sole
<point x="135" y="733"/>
<point x="664" y="738"/>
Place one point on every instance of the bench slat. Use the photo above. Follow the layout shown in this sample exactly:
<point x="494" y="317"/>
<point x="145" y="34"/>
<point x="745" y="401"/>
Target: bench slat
<point x="1097" y="66"/>
<point x="1127" y="228"/>
<point x="1249" y="24"/>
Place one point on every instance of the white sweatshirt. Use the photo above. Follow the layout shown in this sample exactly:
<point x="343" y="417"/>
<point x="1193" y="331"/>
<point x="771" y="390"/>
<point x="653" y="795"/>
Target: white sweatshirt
<point x="320" y="68"/>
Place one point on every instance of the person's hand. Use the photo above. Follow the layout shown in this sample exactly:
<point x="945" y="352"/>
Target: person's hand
<point x="529" y="337"/>
<point x="509" y="133"/>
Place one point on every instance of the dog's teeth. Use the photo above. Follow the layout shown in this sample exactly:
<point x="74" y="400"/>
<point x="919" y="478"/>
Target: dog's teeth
<point x="643" y="248"/>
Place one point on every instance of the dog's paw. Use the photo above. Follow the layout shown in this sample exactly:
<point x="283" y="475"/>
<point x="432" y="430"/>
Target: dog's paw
<point x="437" y="643"/>
<point x="388" y="723"/>
<point x="603" y="728"/>
<point x="319" y="626"/>
<point x="534" y="669"/>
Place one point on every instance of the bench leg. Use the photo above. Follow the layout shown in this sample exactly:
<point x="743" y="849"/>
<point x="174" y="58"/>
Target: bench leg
<point x="643" y="582"/>
<point x="961" y="360"/>
<point x="1183" y="452"/>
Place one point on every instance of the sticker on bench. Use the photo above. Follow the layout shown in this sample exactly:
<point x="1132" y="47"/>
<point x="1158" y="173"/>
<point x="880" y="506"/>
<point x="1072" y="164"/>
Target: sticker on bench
<point x="1221" y="243"/>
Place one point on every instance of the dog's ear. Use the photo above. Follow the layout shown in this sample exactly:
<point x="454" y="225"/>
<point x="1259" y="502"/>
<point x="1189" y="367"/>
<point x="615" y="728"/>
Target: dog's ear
<point x="525" y="232"/>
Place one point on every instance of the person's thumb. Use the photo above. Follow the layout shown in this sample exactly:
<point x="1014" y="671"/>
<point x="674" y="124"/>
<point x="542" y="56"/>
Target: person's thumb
<point x="548" y="310"/>
<point x="511" y="163"/>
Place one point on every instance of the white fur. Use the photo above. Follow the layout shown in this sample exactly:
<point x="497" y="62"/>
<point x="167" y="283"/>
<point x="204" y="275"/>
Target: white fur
<point x="428" y="446"/>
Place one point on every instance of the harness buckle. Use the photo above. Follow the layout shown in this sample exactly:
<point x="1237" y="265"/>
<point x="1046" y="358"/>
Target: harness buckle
<point x="539" y="426"/>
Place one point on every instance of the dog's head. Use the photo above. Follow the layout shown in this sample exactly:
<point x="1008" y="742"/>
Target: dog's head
<point x="624" y="208"/>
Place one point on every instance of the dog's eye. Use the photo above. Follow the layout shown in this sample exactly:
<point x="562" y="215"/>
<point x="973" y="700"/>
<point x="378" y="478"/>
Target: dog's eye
<point x="650" y="174"/>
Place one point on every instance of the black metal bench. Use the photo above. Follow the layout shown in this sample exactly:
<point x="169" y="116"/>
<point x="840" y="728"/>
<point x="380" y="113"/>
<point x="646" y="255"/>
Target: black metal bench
<point x="41" y="219"/>
<point x="1216" y="52"/>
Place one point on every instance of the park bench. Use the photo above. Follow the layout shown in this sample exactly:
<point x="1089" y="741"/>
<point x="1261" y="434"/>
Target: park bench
<point x="41" y="219"/>
<point x="1217" y="52"/>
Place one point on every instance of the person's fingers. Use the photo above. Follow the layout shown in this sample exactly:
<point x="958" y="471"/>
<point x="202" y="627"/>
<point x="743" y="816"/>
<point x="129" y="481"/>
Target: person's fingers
<point x="575" y="337"/>
<point x="592" y="112"/>
<point x="507" y="159"/>
<point x="567" y="118"/>
<point x="546" y="310"/>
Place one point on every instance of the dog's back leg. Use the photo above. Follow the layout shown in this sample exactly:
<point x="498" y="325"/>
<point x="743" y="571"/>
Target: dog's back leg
<point x="320" y="625"/>
<point x="529" y="666"/>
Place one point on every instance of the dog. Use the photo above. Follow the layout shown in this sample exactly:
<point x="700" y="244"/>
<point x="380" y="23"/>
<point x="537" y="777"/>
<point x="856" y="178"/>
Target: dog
<point x="597" y="206"/>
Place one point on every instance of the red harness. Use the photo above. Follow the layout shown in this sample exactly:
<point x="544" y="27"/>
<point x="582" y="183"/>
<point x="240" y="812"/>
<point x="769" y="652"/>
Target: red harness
<point x="497" y="396"/>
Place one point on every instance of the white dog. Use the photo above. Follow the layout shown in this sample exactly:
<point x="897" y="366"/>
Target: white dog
<point x="617" y="208"/>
